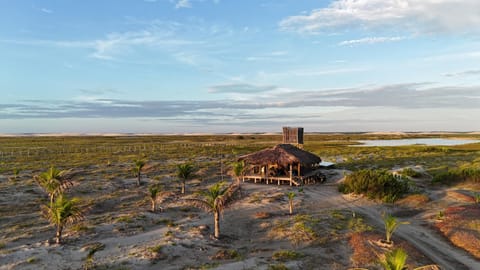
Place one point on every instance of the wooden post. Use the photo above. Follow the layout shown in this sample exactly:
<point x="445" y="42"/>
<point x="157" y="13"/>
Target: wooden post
<point x="291" y="174"/>
<point x="299" y="170"/>
<point x="267" y="174"/>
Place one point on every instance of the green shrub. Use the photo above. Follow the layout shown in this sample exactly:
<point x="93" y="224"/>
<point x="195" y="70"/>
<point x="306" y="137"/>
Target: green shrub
<point x="375" y="184"/>
<point x="280" y="266"/>
<point x="286" y="255"/>
<point x="411" y="173"/>
<point x="451" y="176"/>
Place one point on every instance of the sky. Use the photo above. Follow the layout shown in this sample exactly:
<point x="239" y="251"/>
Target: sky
<point x="203" y="66"/>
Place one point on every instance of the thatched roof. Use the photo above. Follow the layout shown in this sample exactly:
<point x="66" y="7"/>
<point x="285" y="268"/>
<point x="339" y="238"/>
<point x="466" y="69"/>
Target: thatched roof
<point x="281" y="154"/>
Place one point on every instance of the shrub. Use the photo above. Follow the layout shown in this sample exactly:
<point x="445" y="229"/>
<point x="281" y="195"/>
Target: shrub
<point x="411" y="173"/>
<point x="286" y="255"/>
<point x="375" y="184"/>
<point x="451" y="176"/>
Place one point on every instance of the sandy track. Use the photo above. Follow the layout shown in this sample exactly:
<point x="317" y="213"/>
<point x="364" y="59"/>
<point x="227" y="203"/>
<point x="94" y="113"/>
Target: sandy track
<point x="427" y="241"/>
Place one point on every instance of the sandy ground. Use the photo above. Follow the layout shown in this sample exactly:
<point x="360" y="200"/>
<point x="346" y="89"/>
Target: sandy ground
<point x="184" y="235"/>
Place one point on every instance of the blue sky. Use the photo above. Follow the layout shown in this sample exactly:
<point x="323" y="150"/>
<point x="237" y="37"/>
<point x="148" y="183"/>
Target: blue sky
<point x="161" y="66"/>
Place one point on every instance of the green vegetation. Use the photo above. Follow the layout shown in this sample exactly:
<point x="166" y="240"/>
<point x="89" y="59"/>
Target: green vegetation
<point x="53" y="182"/>
<point x="226" y="254"/>
<point x="153" y="192"/>
<point x="61" y="212"/>
<point x="467" y="173"/>
<point x="394" y="260"/>
<point x="286" y="255"/>
<point x="375" y="184"/>
<point x="411" y="173"/>
<point x="391" y="224"/>
<point x="215" y="200"/>
<point x="279" y="266"/>
<point x="238" y="169"/>
<point x="184" y="172"/>
<point x="137" y="170"/>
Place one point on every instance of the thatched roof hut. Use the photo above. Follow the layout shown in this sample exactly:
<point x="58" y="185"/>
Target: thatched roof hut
<point x="283" y="155"/>
<point x="281" y="163"/>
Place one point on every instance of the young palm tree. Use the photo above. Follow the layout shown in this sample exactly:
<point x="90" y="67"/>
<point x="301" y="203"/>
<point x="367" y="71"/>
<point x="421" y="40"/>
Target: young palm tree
<point x="238" y="170"/>
<point x="215" y="200"/>
<point x="391" y="224"/>
<point x="153" y="192"/>
<point x="290" y="195"/>
<point x="16" y="172"/>
<point x="184" y="172"/>
<point x="53" y="182"/>
<point x="137" y="170"/>
<point x="61" y="212"/>
<point x="394" y="260"/>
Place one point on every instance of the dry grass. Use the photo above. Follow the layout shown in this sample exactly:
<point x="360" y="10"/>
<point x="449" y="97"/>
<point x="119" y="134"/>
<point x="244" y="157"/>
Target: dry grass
<point x="363" y="253"/>
<point x="460" y="197"/>
<point x="226" y="254"/>
<point x="414" y="200"/>
<point x="366" y="254"/>
<point x="461" y="226"/>
<point x="262" y="215"/>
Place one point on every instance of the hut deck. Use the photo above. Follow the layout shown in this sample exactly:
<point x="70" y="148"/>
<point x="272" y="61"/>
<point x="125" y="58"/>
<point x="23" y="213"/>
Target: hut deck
<point x="272" y="179"/>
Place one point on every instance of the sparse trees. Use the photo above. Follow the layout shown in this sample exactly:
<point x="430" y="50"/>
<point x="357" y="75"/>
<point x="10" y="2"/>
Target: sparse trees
<point x="291" y="195"/>
<point x="61" y="212"/>
<point x="153" y="192"/>
<point x="215" y="200"/>
<point x="184" y="172"/>
<point x="391" y="224"/>
<point x="53" y="182"/>
<point x="137" y="169"/>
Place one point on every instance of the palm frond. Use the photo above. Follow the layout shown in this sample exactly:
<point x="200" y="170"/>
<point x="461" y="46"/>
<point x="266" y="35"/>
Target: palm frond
<point x="222" y="201"/>
<point x="198" y="203"/>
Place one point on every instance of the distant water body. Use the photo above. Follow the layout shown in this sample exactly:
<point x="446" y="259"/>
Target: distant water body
<point x="431" y="141"/>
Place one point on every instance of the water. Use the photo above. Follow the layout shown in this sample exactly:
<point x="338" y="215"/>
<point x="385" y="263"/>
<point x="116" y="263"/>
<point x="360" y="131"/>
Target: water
<point x="429" y="141"/>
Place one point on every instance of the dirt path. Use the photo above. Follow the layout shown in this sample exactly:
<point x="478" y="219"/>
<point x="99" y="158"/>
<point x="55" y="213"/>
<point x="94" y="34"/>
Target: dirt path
<point x="425" y="240"/>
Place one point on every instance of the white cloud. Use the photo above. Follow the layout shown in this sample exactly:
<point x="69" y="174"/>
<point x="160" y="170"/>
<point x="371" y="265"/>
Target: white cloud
<point x="369" y="40"/>
<point x="183" y="4"/>
<point x="241" y="88"/>
<point x="308" y="72"/>
<point x="272" y="56"/>
<point x="413" y="16"/>
<point x="46" y="10"/>
<point x="463" y="73"/>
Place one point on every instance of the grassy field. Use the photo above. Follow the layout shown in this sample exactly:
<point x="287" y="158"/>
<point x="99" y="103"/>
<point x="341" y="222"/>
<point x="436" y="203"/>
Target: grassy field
<point x="38" y="153"/>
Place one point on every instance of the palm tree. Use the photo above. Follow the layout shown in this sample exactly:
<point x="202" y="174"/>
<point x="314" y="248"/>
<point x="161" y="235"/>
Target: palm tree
<point x="184" y="172"/>
<point x="153" y="192"/>
<point x="215" y="200"/>
<point x="391" y="224"/>
<point x="394" y="260"/>
<point x="61" y="212"/>
<point x="290" y="195"/>
<point x="137" y="170"/>
<point x="53" y="182"/>
<point x="16" y="172"/>
<point x="238" y="169"/>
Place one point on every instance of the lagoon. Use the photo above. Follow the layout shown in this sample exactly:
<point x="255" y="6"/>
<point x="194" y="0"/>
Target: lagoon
<point x="425" y="141"/>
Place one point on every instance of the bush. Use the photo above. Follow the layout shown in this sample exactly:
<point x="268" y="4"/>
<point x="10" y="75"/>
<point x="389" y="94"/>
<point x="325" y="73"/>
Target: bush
<point x="451" y="176"/>
<point x="411" y="173"/>
<point x="375" y="184"/>
<point x="286" y="255"/>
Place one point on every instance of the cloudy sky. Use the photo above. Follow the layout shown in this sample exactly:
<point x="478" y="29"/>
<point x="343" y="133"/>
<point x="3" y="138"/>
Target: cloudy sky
<point x="162" y="66"/>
